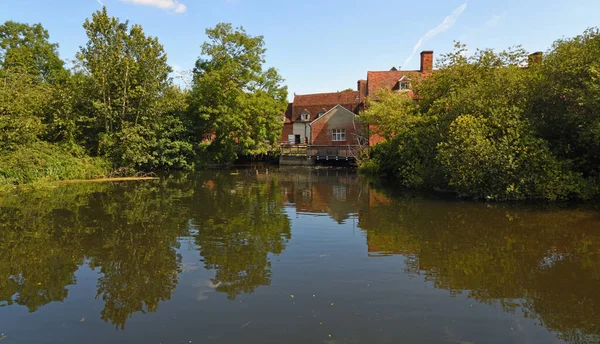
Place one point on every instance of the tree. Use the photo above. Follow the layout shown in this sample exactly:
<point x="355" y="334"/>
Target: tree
<point x="566" y="100"/>
<point x="27" y="49"/>
<point x="234" y="100"/>
<point x="29" y="66"/>
<point x="392" y="114"/>
<point x="128" y="74"/>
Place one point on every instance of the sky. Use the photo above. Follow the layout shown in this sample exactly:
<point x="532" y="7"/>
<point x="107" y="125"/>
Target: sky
<point x="324" y="45"/>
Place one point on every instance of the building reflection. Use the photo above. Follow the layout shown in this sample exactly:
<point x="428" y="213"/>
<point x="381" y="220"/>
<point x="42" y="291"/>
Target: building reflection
<point x="542" y="261"/>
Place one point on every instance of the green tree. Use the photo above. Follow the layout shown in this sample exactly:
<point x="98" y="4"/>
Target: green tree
<point x="29" y="63"/>
<point x="472" y="132"/>
<point x="566" y="100"/>
<point x="234" y="100"/>
<point x="27" y="49"/>
<point x="128" y="75"/>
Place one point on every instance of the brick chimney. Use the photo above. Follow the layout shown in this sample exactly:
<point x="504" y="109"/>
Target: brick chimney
<point x="535" y="57"/>
<point x="426" y="61"/>
<point x="362" y="89"/>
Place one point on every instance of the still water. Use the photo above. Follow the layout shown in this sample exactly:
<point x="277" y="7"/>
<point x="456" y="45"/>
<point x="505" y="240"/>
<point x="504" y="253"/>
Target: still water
<point x="291" y="256"/>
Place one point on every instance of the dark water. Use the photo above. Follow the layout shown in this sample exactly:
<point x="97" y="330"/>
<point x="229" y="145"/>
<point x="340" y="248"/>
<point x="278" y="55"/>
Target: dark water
<point x="291" y="256"/>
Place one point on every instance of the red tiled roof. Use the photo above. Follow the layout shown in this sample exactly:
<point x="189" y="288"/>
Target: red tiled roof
<point x="314" y="103"/>
<point x="326" y="98"/>
<point x="387" y="79"/>
<point x="288" y="113"/>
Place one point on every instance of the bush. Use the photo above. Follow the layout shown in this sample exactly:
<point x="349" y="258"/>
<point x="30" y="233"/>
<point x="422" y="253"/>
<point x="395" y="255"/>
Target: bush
<point x="41" y="161"/>
<point x="503" y="163"/>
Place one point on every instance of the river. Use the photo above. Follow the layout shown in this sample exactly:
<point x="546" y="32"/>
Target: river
<point x="298" y="255"/>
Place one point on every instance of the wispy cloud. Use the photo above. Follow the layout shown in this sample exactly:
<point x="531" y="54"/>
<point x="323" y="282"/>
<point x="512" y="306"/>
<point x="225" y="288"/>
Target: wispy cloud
<point x="493" y="21"/>
<point x="169" y="5"/>
<point x="176" y="67"/>
<point x="100" y="2"/>
<point x="445" y="25"/>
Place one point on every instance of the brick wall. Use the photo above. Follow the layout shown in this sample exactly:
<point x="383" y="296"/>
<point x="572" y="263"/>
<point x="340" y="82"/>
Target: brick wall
<point x="337" y="119"/>
<point x="287" y="130"/>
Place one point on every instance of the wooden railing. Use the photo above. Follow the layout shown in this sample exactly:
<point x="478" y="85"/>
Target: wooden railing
<point x="297" y="150"/>
<point x="324" y="152"/>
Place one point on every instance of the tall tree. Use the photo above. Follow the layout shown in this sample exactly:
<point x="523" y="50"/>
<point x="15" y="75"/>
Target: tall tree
<point x="26" y="49"/>
<point x="566" y="100"/>
<point x="128" y="75"/>
<point x="29" y="66"/>
<point x="234" y="100"/>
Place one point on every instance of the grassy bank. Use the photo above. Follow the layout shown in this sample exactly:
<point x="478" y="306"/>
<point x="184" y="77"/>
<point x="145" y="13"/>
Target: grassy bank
<point x="41" y="162"/>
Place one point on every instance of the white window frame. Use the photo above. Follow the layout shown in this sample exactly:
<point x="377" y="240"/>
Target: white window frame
<point x="404" y="86"/>
<point x="305" y="117"/>
<point x="338" y="135"/>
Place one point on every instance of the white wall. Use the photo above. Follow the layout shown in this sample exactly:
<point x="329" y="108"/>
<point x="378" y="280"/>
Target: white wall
<point x="302" y="129"/>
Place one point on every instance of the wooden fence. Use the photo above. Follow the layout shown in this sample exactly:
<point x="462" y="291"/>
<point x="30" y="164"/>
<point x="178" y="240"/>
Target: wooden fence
<point x="324" y="152"/>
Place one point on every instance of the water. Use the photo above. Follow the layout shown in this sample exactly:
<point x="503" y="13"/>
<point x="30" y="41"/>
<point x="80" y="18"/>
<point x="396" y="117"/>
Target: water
<point x="291" y="256"/>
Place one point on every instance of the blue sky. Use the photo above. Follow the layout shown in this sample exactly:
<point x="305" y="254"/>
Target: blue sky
<point x="324" y="45"/>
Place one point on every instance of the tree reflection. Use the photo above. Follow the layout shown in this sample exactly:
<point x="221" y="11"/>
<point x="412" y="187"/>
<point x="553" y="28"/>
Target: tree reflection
<point x="240" y="223"/>
<point x="129" y="232"/>
<point x="544" y="262"/>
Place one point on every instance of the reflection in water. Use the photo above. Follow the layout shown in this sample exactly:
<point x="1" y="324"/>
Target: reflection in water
<point x="122" y="231"/>
<point x="239" y="224"/>
<point x="547" y="263"/>
<point x="544" y="263"/>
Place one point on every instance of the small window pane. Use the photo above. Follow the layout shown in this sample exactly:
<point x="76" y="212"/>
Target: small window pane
<point x="338" y="135"/>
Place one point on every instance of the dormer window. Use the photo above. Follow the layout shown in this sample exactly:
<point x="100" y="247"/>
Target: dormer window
<point x="305" y="116"/>
<point x="321" y="113"/>
<point x="404" y="83"/>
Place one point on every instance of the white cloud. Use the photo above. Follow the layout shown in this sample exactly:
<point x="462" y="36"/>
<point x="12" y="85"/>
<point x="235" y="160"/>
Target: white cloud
<point x="445" y="25"/>
<point x="176" y="67"/>
<point x="493" y="21"/>
<point x="169" y="5"/>
<point x="100" y="2"/>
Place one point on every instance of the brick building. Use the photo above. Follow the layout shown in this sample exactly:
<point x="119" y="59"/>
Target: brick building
<point x="339" y="127"/>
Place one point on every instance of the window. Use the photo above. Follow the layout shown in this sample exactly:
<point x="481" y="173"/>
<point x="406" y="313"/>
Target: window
<point x="404" y="85"/>
<point x="338" y="135"/>
<point x="339" y="192"/>
<point x="305" y="117"/>
<point x="321" y="113"/>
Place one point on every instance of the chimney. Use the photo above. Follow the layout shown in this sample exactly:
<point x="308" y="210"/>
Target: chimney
<point x="362" y="89"/>
<point x="535" y="57"/>
<point x="426" y="61"/>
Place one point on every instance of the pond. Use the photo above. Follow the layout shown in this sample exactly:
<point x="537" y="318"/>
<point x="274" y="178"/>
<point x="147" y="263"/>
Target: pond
<point x="299" y="255"/>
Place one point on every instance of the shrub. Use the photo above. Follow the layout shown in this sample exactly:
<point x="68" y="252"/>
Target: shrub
<point x="41" y="161"/>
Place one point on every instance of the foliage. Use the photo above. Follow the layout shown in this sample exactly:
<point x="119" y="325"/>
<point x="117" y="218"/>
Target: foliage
<point x="234" y="101"/>
<point x="22" y="106"/>
<point x="127" y="75"/>
<point x="393" y="114"/>
<point x="27" y="48"/>
<point x="481" y="126"/>
<point x="566" y="100"/>
<point x="42" y="161"/>
<point x="119" y="101"/>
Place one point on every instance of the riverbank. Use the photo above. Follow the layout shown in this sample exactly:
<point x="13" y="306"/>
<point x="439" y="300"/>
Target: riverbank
<point x="42" y="163"/>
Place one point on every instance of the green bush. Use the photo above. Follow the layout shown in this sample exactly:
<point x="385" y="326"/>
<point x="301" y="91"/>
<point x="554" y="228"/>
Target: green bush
<point x="502" y="163"/>
<point x="41" y="161"/>
<point x="484" y="127"/>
